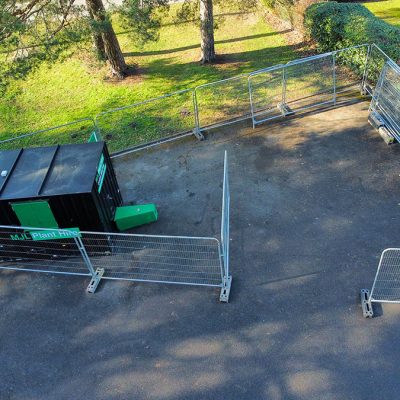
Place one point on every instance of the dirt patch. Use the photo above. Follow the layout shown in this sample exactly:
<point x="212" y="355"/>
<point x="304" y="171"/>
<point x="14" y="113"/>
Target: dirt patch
<point x="135" y="75"/>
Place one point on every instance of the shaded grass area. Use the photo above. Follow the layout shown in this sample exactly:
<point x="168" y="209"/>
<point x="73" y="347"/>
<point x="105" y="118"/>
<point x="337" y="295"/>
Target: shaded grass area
<point x="388" y="10"/>
<point x="75" y="88"/>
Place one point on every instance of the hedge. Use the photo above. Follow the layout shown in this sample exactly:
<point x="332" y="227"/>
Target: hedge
<point x="335" y="26"/>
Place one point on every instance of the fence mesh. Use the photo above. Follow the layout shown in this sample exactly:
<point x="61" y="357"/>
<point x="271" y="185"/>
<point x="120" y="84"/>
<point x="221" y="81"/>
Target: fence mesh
<point x="386" y="98"/>
<point x="20" y="251"/>
<point x="266" y="93"/>
<point x="168" y="259"/>
<point x="148" y="121"/>
<point x="223" y="101"/>
<point x="72" y="133"/>
<point x="376" y="61"/>
<point x="309" y="82"/>
<point x="298" y="85"/>
<point x="386" y="287"/>
<point x="349" y="68"/>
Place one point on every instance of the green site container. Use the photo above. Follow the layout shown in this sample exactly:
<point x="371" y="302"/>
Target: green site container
<point x="128" y="217"/>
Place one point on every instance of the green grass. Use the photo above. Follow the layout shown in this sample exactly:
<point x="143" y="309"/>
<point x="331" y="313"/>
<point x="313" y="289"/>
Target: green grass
<point x="388" y="10"/>
<point x="76" y="88"/>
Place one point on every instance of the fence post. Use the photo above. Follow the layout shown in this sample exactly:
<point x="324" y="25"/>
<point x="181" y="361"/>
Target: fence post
<point x="334" y="76"/>
<point x="96" y="275"/>
<point x="196" y="130"/>
<point x="284" y="87"/>
<point x="365" y="73"/>
<point x="251" y="100"/>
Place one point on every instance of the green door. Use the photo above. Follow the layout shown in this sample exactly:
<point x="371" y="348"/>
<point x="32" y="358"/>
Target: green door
<point x="36" y="214"/>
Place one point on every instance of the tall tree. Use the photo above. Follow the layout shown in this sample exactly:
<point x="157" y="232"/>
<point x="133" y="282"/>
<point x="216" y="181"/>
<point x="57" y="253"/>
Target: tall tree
<point x="112" y="49"/>
<point x="201" y="12"/>
<point x="207" y="31"/>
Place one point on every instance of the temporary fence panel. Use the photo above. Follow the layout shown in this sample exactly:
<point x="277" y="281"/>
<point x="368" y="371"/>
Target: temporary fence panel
<point x="75" y="132"/>
<point x="147" y="122"/>
<point x="376" y="60"/>
<point x="222" y="102"/>
<point x="266" y="94"/>
<point x="152" y="258"/>
<point x="386" y="99"/>
<point x="386" y="285"/>
<point x="54" y="251"/>
<point x="269" y="93"/>
<point x="350" y="64"/>
<point x="198" y="261"/>
<point x="309" y="82"/>
<point x="225" y="234"/>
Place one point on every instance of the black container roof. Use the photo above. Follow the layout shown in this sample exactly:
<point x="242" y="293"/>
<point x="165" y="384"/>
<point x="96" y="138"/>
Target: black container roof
<point x="49" y="171"/>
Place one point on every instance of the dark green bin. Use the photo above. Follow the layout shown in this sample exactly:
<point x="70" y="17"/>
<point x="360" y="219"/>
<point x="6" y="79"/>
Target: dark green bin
<point x="128" y="217"/>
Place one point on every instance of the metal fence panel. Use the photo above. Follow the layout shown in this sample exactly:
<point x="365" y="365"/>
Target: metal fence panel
<point x="309" y="82"/>
<point x="376" y="60"/>
<point x="71" y="133"/>
<point x="386" y="98"/>
<point x="386" y="286"/>
<point x="21" y="250"/>
<point x="266" y="93"/>
<point x="152" y="258"/>
<point x="225" y="233"/>
<point x="350" y="65"/>
<point x="148" y="121"/>
<point x="222" y="102"/>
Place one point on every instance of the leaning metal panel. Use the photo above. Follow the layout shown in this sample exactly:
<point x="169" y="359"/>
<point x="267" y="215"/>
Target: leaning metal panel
<point x="386" y="98"/>
<point x="386" y="286"/>
<point x="150" y="258"/>
<point x="22" y="250"/>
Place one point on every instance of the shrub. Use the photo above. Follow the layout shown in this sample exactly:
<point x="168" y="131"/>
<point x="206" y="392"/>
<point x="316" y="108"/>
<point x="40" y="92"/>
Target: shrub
<point x="335" y="26"/>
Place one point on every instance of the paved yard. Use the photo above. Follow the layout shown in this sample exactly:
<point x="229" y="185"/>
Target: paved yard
<point x="315" y="199"/>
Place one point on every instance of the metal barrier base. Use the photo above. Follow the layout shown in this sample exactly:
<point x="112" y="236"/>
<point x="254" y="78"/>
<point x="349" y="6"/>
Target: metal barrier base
<point x="226" y="290"/>
<point x="95" y="280"/>
<point x="366" y="304"/>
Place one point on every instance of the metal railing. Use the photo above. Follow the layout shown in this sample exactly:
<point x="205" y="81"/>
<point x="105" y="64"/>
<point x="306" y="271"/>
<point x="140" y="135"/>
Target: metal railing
<point x="274" y="92"/>
<point x="386" y="285"/>
<point x="184" y="260"/>
<point x="385" y="102"/>
<point x="225" y="234"/>
<point x="78" y="131"/>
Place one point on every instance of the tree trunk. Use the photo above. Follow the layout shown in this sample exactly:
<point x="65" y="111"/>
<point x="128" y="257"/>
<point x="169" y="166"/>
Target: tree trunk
<point x="98" y="43"/>
<point x="207" y="31"/>
<point x="111" y="46"/>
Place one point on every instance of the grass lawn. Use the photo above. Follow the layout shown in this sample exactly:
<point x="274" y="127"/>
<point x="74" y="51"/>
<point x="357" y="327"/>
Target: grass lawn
<point x="388" y="10"/>
<point x="75" y="88"/>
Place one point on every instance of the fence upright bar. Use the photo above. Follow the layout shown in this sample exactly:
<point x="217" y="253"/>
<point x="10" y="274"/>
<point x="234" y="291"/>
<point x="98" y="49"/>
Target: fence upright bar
<point x="365" y="72"/>
<point x="334" y="76"/>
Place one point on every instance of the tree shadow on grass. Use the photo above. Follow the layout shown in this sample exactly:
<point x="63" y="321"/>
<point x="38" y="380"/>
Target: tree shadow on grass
<point x="197" y="46"/>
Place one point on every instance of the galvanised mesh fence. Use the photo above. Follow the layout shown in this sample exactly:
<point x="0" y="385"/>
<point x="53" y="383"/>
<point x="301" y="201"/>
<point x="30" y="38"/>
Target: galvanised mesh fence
<point x="386" y="98"/>
<point x="147" y="122"/>
<point x="308" y="83"/>
<point x="75" y="132"/>
<point x="184" y="260"/>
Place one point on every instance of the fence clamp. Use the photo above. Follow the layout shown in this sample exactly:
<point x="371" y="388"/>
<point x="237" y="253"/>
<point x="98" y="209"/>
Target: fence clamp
<point x="95" y="280"/>
<point x="226" y="289"/>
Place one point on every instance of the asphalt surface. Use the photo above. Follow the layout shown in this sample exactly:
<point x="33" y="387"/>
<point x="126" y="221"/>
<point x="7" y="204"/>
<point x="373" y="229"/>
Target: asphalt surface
<point x="315" y="199"/>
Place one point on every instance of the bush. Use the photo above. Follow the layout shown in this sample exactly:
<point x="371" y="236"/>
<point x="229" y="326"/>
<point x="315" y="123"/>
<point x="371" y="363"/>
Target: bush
<point x="335" y="26"/>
